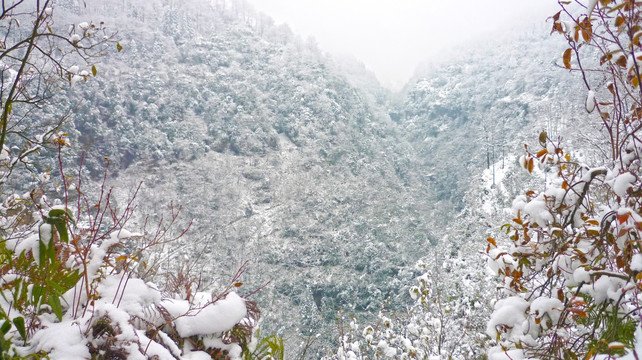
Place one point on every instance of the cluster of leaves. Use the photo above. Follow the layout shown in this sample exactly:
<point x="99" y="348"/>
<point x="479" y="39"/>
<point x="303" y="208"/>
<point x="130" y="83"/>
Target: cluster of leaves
<point x="571" y="268"/>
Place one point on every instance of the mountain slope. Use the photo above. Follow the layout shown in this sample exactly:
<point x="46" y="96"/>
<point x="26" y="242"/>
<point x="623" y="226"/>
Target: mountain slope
<point x="272" y="151"/>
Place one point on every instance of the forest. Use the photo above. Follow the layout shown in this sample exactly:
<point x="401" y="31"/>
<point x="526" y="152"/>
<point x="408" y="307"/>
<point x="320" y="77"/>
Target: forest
<point x="190" y="180"/>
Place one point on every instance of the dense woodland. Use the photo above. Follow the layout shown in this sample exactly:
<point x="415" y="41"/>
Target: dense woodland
<point x="189" y="180"/>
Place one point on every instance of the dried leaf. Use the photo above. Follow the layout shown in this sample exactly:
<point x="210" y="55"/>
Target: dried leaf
<point x="606" y="57"/>
<point x="492" y="241"/>
<point x="587" y="30"/>
<point x="619" y="20"/>
<point x="623" y="218"/>
<point x="611" y="88"/>
<point x="620" y="261"/>
<point x="566" y="58"/>
<point x="542" y="138"/>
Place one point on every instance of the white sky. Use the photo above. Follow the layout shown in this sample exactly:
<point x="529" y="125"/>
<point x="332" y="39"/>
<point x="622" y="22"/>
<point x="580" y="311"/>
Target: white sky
<point x="392" y="37"/>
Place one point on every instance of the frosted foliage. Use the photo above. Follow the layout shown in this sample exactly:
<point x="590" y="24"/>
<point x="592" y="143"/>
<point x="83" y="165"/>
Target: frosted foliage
<point x="227" y="312"/>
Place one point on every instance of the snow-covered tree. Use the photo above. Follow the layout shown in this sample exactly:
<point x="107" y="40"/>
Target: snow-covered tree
<point x="570" y="268"/>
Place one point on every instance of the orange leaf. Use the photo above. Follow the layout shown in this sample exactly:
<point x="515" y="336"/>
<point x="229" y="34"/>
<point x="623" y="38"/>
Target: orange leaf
<point x="619" y="20"/>
<point x="566" y="58"/>
<point x="492" y="241"/>
<point x="238" y="284"/>
<point x="587" y="30"/>
<point x="578" y="312"/>
<point x="623" y="218"/>
<point x="565" y="185"/>
<point x="121" y="258"/>
<point x="577" y="301"/>
<point x="530" y="165"/>
<point x="542" y="153"/>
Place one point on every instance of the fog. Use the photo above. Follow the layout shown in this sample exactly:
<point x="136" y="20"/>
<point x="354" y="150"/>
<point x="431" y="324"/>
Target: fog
<point x="392" y="37"/>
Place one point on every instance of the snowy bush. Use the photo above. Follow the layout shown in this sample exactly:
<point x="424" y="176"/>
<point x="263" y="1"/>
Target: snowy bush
<point x="74" y="287"/>
<point x="570" y="270"/>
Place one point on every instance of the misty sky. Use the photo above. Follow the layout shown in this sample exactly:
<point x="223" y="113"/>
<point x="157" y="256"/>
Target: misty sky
<point x="391" y="37"/>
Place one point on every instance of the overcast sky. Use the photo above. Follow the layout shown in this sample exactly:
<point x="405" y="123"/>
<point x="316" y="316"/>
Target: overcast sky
<point x="391" y="37"/>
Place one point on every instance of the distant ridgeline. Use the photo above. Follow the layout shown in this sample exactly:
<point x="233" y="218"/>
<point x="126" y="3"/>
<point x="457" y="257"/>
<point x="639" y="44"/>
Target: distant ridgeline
<point x="305" y="167"/>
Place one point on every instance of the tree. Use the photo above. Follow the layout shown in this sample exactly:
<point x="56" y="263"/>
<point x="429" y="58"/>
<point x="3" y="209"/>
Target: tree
<point x="36" y="58"/>
<point x="570" y="271"/>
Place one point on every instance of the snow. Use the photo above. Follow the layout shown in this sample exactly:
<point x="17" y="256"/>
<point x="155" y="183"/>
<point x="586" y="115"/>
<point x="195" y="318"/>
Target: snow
<point x="605" y="288"/>
<point x="228" y="312"/>
<point x="131" y="295"/>
<point x="623" y="183"/>
<point x="387" y="350"/>
<point x="497" y="353"/>
<point x="591" y="7"/>
<point x="509" y="312"/>
<point x="636" y="262"/>
<point x="30" y="243"/>
<point x="581" y="275"/>
<point x="63" y="340"/>
<point x="46" y="233"/>
<point x="545" y="306"/>
<point x="196" y="355"/>
<point x="538" y="210"/>
<point x="590" y="101"/>
<point x="154" y="349"/>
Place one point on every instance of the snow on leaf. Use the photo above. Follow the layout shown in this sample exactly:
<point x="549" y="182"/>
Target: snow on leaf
<point x="590" y="101"/>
